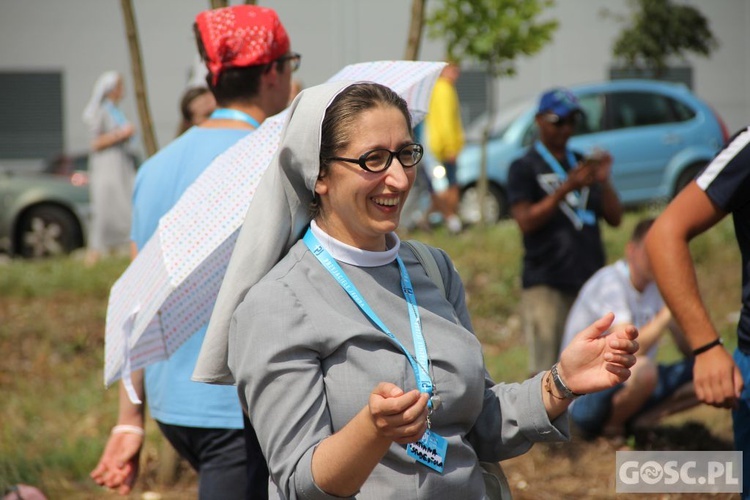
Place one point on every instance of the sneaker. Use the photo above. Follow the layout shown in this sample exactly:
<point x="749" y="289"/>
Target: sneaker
<point x="454" y="224"/>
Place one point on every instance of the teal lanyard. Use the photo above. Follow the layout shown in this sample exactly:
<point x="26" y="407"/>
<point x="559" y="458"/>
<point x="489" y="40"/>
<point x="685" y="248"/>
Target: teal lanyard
<point x="116" y="114"/>
<point x="424" y="382"/>
<point x="234" y="114"/>
<point x="552" y="161"/>
<point x="587" y="217"/>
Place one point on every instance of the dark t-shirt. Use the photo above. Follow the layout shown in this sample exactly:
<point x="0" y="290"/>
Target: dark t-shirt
<point x="564" y="252"/>
<point x="726" y="181"/>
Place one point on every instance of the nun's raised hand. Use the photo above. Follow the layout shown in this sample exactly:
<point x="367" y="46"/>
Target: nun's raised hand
<point x="594" y="361"/>
<point x="396" y="415"/>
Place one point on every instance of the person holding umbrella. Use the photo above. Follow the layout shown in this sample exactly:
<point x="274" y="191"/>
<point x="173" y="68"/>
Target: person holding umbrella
<point x="361" y="376"/>
<point x="247" y="52"/>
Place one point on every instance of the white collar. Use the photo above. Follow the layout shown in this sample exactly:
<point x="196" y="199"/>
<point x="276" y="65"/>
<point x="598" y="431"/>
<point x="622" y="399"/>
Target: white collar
<point x="356" y="256"/>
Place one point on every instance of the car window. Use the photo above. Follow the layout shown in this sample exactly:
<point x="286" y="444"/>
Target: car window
<point x="682" y="112"/>
<point x="530" y="134"/>
<point x="81" y="163"/>
<point x="593" y="110"/>
<point x="637" y="109"/>
<point x="504" y="118"/>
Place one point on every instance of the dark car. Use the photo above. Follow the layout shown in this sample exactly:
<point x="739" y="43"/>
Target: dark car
<point x="45" y="213"/>
<point x="660" y="136"/>
<point x="75" y="167"/>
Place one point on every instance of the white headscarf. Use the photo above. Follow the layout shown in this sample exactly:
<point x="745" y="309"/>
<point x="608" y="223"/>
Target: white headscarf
<point x="105" y="84"/>
<point x="277" y="216"/>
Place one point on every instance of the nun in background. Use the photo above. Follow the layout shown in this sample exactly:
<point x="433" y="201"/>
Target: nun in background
<point x="111" y="168"/>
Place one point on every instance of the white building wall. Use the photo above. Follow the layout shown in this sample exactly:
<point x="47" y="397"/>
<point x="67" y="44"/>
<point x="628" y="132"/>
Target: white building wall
<point x="83" y="38"/>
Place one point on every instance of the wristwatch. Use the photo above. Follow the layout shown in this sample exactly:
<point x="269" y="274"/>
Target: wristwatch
<point x="564" y="390"/>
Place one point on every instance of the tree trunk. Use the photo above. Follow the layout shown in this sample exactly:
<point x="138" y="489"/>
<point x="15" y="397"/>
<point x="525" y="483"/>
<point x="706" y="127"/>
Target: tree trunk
<point x="482" y="184"/>
<point x="218" y="4"/>
<point x="136" y="66"/>
<point x="415" y="30"/>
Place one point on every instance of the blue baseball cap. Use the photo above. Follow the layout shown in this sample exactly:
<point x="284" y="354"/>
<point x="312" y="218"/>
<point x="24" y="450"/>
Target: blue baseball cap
<point x="558" y="101"/>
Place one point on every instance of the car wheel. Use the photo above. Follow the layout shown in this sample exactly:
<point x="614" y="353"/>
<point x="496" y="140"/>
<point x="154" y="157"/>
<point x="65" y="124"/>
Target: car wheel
<point x="687" y="176"/>
<point x="47" y="231"/>
<point x="494" y="204"/>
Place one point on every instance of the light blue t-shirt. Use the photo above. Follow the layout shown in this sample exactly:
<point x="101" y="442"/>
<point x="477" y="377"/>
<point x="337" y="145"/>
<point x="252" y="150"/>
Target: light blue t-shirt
<point x="172" y="397"/>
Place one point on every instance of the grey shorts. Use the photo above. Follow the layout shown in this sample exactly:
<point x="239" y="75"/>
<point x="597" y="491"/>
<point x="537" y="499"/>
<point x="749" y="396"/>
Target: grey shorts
<point x="543" y="311"/>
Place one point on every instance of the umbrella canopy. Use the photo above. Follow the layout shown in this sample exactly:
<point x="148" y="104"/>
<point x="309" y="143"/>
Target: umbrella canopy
<point x="168" y="291"/>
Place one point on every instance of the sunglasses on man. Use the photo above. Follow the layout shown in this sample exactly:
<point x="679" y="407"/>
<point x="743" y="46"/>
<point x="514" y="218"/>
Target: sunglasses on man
<point x="572" y="119"/>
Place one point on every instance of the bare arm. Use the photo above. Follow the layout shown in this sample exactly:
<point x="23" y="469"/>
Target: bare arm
<point x="678" y="336"/>
<point x="717" y="379"/>
<point x="611" y="206"/>
<point x="118" y="466"/>
<point x="113" y="137"/>
<point x="650" y="333"/>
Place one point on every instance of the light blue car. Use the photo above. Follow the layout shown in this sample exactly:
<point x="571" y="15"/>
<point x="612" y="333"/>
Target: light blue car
<point x="659" y="134"/>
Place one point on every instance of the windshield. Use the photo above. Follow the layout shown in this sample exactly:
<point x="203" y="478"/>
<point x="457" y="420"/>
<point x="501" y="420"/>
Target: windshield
<point x="503" y="119"/>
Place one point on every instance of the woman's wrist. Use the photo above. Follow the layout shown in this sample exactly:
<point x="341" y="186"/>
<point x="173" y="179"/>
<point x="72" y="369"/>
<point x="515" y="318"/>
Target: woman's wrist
<point x="559" y="381"/>
<point x="550" y="388"/>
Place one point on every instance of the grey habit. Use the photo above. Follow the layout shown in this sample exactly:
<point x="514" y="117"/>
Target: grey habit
<point x="111" y="176"/>
<point x="305" y="358"/>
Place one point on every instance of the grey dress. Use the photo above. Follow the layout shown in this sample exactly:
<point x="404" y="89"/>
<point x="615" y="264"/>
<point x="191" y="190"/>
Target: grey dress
<point x="111" y="179"/>
<point x="306" y="359"/>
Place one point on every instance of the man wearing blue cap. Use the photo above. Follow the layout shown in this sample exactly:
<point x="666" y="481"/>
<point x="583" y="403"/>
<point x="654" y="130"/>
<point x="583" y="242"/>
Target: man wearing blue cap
<point x="557" y="198"/>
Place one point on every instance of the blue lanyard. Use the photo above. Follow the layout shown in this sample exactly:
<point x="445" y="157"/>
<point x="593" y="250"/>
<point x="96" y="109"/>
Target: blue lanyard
<point x="552" y="161"/>
<point x="116" y="114"/>
<point x="585" y="216"/>
<point x="424" y="382"/>
<point x="234" y="114"/>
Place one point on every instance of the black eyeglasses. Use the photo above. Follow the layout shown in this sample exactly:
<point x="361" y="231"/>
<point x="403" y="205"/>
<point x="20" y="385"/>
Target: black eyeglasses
<point x="559" y="122"/>
<point x="295" y="58"/>
<point x="379" y="160"/>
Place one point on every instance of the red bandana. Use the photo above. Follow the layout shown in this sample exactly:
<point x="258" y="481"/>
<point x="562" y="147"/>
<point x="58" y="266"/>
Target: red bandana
<point x="239" y="36"/>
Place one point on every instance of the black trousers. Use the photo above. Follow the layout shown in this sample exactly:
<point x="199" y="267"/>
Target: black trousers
<point x="229" y="462"/>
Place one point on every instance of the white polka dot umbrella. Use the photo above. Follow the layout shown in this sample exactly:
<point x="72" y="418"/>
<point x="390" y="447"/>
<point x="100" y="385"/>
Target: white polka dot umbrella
<point x="168" y="291"/>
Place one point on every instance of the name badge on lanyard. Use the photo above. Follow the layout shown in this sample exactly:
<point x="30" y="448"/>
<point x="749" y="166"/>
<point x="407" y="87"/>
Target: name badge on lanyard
<point x="432" y="448"/>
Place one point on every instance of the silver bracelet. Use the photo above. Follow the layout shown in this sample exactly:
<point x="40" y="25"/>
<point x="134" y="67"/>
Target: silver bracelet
<point x="564" y="389"/>
<point x="128" y="429"/>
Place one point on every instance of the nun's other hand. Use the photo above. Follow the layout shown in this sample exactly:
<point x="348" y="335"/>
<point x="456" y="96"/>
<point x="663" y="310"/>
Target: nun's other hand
<point x="396" y="415"/>
<point x="594" y="361"/>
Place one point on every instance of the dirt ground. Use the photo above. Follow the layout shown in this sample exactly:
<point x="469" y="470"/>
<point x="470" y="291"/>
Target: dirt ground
<point x="586" y="469"/>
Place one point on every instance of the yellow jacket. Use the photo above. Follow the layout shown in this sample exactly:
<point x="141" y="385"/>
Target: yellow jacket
<point x="445" y="135"/>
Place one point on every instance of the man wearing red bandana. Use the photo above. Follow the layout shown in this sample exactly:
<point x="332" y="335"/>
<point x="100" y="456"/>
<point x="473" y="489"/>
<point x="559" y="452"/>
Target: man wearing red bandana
<point x="247" y="53"/>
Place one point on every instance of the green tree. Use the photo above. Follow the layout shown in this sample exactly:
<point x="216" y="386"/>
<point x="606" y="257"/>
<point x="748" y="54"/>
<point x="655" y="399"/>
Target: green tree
<point x="660" y="29"/>
<point x="493" y="33"/>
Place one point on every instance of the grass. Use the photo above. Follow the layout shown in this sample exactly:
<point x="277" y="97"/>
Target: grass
<point x="56" y="413"/>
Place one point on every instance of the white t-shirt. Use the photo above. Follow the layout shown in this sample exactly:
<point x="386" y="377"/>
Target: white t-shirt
<point x="610" y="289"/>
